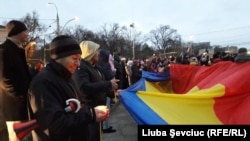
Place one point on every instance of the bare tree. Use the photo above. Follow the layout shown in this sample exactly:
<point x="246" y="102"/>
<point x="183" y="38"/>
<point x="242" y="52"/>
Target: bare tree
<point x="36" y="35"/>
<point x="112" y="37"/>
<point x="164" y="37"/>
<point x="80" y="33"/>
<point x="35" y="28"/>
<point x="134" y="41"/>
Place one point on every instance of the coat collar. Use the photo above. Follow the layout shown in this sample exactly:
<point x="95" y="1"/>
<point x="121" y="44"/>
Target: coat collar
<point x="59" y="69"/>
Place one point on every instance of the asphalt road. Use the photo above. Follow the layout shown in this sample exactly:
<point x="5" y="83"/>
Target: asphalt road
<point x="126" y="127"/>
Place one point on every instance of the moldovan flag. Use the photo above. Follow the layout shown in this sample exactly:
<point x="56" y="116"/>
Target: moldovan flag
<point x="187" y="94"/>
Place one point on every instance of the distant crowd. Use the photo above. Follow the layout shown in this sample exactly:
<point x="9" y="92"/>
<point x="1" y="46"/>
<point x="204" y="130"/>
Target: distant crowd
<point x="84" y="73"/>
<point x="129" y="70"/>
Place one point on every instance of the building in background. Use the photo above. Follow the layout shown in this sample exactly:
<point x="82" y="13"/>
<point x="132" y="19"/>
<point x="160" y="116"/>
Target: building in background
<point x="3" y="34"/>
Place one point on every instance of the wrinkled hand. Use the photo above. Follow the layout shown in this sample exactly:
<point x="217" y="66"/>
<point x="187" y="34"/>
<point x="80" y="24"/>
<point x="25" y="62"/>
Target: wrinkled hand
<point x="118" y="92"/>
<point x="114" y="84"/>
<point x="101" y="112"/>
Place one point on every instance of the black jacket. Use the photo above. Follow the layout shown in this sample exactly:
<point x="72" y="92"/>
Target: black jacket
<point x="106" y="69"/>
<point x="92" y="84"/>
<point x="15" y="68"/>
<point x="49" y="91"/>
<point x="136" y="73"/>
<point x="17" y="76"/>
<point x="119" y="70"/>
<point x="104" y="64"/>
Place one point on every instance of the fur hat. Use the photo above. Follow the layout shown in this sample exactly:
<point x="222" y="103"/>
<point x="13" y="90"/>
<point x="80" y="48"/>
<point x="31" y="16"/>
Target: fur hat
<point x="63" y="46"/>
<point x="14" y="27"/>
<point x="89" y="49"/>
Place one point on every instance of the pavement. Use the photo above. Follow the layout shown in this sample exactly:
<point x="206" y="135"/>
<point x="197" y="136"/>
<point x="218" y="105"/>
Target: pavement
<point x="126" y="127"/>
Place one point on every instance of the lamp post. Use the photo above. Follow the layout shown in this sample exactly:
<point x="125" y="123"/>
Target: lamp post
<point x="73" y="19"/>
<point x="58" y="32"/>
<point x="133" y="42"/>
<point x="57" y="19"/>
<point x="44" y="52"/>
<point x="44" y="44"/>
<point x="45" y="49"/>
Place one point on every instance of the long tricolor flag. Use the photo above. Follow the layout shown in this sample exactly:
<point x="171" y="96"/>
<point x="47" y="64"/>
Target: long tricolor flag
<point x="187" y="94"/>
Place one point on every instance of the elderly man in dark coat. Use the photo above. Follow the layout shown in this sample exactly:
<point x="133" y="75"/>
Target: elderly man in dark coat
<point x="16" y="74"/>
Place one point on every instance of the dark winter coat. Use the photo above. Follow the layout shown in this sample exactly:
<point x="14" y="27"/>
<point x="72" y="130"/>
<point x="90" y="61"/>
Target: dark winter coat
<point x="106" y="69"/>
<point x="104" y="64"/>
<point x="242" y="58"/>
<point x="17" y="76"/>
<point x="49" y="91"/>
<point x="92" y="84"/>
<point x="136" y="73"/>
<point x="119" y="70"/>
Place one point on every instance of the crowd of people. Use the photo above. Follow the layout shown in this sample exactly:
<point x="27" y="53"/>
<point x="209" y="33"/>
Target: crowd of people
<point x="82" y="71"/>
<point x="71" y="73"/>
<point x="159" y="63"/>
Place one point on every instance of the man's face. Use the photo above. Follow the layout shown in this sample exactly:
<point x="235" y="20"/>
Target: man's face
<point x="23" y="36"/>
<point x="71" y="63"/>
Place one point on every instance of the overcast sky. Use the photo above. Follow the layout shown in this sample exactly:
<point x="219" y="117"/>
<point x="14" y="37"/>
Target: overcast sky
<point x="220" y="22"/>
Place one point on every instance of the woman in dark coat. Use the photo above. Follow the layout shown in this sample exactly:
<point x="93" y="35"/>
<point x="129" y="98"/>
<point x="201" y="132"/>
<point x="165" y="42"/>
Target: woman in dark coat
<point x="106" y="62"/>
<point x="136" y="72"/>
<point x="52" y="87"/>
<point x="92" y="83"/>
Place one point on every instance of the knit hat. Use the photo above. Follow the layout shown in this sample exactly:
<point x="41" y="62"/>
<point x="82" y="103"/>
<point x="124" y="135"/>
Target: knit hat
<point x="14" y="27"/>
<point x="63" y="46"/>
<point x="242" y="50"/>
<point x="89" y="49"/>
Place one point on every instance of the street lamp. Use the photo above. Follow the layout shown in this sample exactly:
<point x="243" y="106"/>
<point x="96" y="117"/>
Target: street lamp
<point x="133" y="42"/>
<point x="73" y="19"/>
<point x="44" y="51"/>
<point x="44" y="43"/>
<point x="57" y="19"/>
<point x="57" y="33"/>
